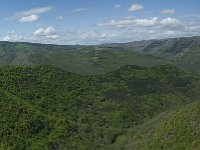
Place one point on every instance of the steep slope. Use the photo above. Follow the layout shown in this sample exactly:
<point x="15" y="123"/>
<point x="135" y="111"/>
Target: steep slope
<point x="165" y="48"/>
<point x="176" y="129"/>
<point x="22" y="124"/>
<point x="184" y="51"/>
<point x="47" y="108"/>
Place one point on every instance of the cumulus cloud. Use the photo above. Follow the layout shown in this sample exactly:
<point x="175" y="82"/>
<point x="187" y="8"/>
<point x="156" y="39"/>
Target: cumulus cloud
<point x="147" y="28"/>
<point x="30" y="18"/>
<point x="136" y="7"/>
<point x="49" y="32"/>
<point x="171" y="23"/>
<point x="154" y="22"/>
<point x="168" y="11"/>
<point x="147" y="22"/>
<point x="123" y="30"/>
<point x="80" y="10"/>
<point x="13" y="37"/>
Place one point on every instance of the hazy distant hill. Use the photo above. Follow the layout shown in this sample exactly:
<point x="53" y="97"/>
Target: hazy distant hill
<point x="79" y="59"/>
<point x="184" y="51"/>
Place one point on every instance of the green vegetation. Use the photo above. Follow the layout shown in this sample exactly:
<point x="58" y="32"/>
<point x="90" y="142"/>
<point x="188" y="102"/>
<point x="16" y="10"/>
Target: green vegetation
<point x="47" y="108"/>
<point x="183" y="52"/>
<point x="78" y="59"/>
<point x="111" y="96"/>
<point x="98" y="59"/>
<point x="174" y="130"/>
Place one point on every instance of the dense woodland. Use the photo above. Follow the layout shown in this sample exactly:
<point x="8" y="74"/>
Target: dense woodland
<point x="128" y="96"/>
<point x="44" y="107"/>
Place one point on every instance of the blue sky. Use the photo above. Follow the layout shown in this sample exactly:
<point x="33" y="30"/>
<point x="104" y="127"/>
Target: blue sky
<point x="97" y="21"/>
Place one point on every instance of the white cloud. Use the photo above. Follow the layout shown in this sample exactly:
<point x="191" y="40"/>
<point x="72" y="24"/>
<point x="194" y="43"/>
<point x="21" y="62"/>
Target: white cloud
<point x="117" y="6"/>
<point x="80" y="10"/>
<point x="49" y="32"/>
<point x="30" y="18"/>
<point x="136" y="7"/>
<point x="59" y="17"/>
<point x="171" y="23"/>
<point x="13" y="37"/>
<point x="31" y="14"/>
<point x="147" y="28"/>
<point x="37" y="10"/>
<point x="193" y="28"/>
<point x="42" y="35"/>
<point x="169" y="32"/>
<point x="131" y="29"/>
<point x="49" y="35"/>
<point x="168" y="11"/>
<point x="147" y="22"/>
<point x="154" y="22"/>
<point x="130" y="22"/>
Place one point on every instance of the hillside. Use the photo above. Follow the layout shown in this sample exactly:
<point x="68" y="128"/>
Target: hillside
<point x="184" y="51"/>
<point x="45" y="107"/>
<point x="165" y="48"/>
<point x="176" y="129"/>
<point x="112" y="96"/>
<point x="100" y="75"/>
<point x="78" y="59"/>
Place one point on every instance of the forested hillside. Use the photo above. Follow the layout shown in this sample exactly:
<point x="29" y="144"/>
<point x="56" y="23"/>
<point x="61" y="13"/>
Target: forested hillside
<point x="110" y="96"/>
<point x="79" y="59"/>
<point x="100" y="75"/>
<point x="98" y="59"/>
<point x="183" y="52"/>
<point x="44" y="107"/>
<point x="177" y="129"/>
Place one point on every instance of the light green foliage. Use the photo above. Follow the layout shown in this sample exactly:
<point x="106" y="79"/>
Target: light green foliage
<point x="172" y="130"/>
<point x="47" y="108"/>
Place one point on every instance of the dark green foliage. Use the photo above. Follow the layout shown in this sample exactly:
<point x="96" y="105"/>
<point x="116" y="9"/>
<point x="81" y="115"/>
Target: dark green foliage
<point x="45" y="107"/>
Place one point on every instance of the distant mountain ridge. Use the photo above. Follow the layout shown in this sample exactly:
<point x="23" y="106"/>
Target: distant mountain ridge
<point x="78" y="59"/>
<point x="183" y="52"/>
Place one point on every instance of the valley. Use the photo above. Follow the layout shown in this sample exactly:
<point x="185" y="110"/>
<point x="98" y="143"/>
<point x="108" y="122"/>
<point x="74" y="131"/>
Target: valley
<point x="100" y="97"/>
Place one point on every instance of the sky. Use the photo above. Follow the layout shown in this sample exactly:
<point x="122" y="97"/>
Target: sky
<point x="70" y="22"/>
